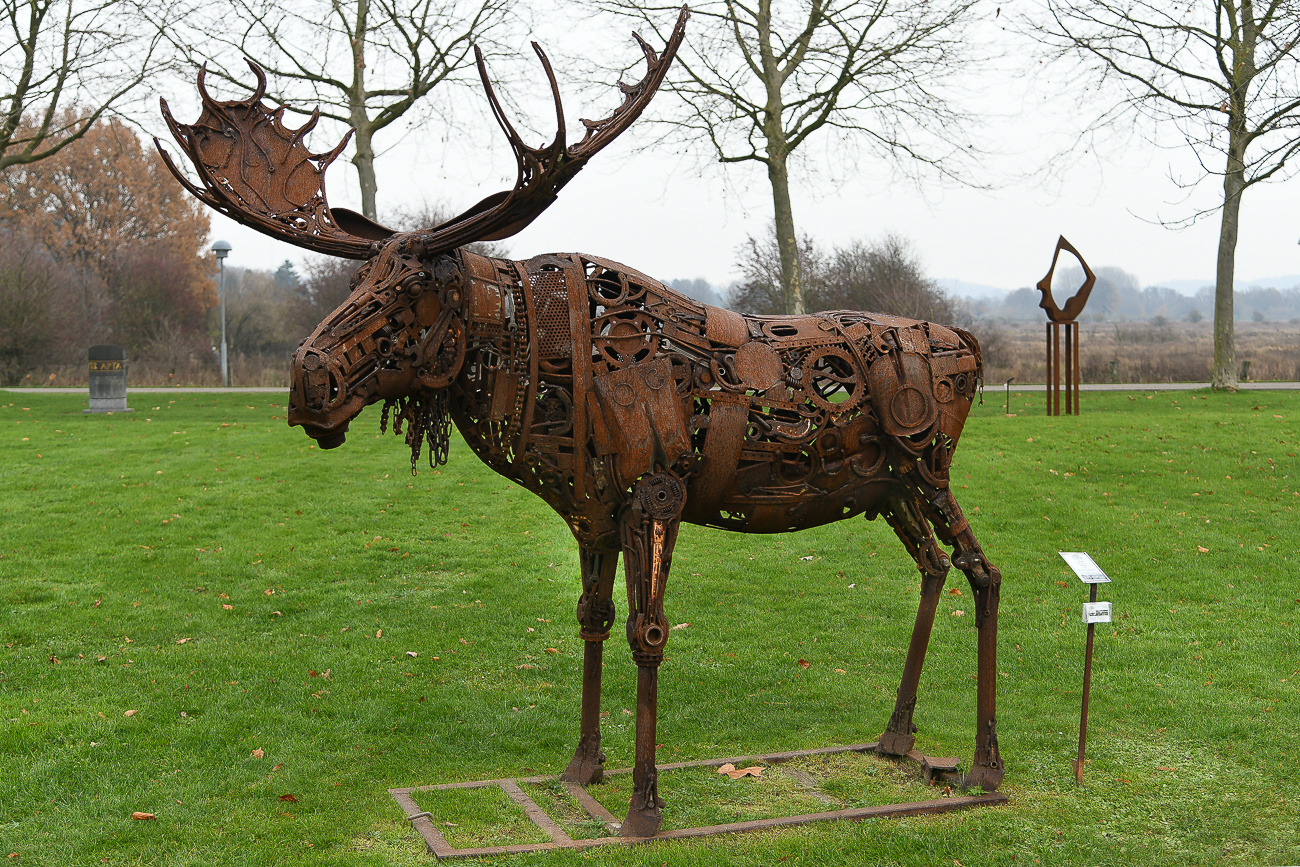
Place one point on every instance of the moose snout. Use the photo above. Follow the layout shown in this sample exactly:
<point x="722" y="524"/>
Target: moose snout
<point x="318" y="398"/>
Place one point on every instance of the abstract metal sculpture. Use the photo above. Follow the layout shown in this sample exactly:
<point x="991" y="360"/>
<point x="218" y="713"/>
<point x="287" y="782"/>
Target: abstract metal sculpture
<point x="626" y="406"/>
<point x="1058" y="319"/>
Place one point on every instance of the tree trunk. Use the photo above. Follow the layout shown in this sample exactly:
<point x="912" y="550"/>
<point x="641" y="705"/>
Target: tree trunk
<point x="786" y="241"/>
<point x="1225" y="353"/>
<point x="364" y="160"/>
<point x="778" y="152"/>
<point x="1234" y="184"/>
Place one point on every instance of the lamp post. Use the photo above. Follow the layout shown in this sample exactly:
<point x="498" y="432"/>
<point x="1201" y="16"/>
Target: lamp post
<point x="222" y="250"/>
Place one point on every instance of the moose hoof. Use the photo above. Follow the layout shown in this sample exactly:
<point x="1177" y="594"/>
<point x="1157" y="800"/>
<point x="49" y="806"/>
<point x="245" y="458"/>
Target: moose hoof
<point x="641" y="823"/>
<point x="984" y="777"/>
<point x="585" y="769"/>
<point x="895" y="744"/>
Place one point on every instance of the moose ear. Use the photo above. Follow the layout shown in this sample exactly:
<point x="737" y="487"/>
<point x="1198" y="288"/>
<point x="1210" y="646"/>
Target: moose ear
<point x="258" y="172"/>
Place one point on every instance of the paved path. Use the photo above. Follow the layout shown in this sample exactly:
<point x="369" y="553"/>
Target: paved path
<point x="1149" y="386"/>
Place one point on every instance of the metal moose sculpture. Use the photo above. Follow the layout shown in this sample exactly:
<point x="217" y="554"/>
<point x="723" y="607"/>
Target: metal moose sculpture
<point x="626" y="406"/>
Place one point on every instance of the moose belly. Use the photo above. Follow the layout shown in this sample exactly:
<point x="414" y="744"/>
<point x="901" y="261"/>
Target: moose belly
<point x="756" y="485"/>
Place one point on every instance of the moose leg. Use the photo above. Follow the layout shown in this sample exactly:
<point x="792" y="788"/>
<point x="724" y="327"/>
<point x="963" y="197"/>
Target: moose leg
<point x="649" y="529"/>
<point x="986" y="584"/>
<point x="914" y="531"/>
<point x="595" y="617"/>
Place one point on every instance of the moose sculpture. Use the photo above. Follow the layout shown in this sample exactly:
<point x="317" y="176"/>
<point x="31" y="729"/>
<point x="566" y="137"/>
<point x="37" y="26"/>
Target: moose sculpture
<point x="626" y="406"/>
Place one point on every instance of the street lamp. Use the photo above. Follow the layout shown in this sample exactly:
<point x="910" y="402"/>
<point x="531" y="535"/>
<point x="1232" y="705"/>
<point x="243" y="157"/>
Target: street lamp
<point x="222" y="250"/>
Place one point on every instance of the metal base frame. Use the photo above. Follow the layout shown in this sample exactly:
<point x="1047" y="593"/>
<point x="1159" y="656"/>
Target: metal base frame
<point x="935" y="769"/>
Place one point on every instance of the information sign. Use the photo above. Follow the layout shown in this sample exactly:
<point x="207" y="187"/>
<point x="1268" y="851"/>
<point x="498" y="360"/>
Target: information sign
<point x="1096" y="612"/>
<point x="1083" y="566"/>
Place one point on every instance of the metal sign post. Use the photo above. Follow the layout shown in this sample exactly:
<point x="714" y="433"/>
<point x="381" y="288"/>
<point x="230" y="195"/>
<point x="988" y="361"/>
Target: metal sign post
<point x="1094" y="612"/>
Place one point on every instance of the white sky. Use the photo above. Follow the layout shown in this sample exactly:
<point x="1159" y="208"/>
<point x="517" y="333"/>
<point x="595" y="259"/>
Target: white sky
<point x="662" y="217"/>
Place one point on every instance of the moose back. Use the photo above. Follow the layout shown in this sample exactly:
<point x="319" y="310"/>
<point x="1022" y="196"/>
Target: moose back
<point x="626" y="406"/>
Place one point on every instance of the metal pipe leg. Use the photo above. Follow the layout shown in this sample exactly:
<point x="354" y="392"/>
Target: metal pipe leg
<point x="986" y="585"/>
<point x="595" y="617"/>
<point x="649" y="530"/>
<point x="899" y="736"/>
<point x="988" y="768"/>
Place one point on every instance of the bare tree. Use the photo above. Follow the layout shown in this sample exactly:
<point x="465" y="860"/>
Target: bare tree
<point x="1223" y="75"/>
<point x="760" y="291"/>
<point x="64" y="64"/>
<point x="758" y="80"/>
<point x="367" y="63"/>
<point x="884" y="276"/>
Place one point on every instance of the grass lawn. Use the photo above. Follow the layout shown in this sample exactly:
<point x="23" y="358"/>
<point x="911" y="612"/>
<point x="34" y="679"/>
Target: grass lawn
<point x="205" y="618"/>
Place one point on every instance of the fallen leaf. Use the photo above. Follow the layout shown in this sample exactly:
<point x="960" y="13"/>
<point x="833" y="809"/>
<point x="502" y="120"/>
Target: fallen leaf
<point x="736" y="773"/>
<point x="681" y="626"/>
<point x="803" y="663"/>
<point x="955" y="591"/>
<point x="1202" y="550"/>
<point x="292" y="799"/>
<point x="227" y="607"/>
<point x="957" y="612"/>
<point x="552" y="650"/>
<point x="281" y="765"/>
<point x="379" y="633"/>
<point x="840" y="671"/>
<point x="183" y="640"/>
<point x="131" y="713"/>
<point x="258" y="753"/>
<point x="412" y="654"/>
<point x="463" y="641"/>
<point x="143" y="816"/>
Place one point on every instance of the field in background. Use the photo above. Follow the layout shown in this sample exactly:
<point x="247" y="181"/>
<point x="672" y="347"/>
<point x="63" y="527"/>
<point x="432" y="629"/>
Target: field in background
<point x="205" y="618"/>
<point x="1110" y="352"/>
<point x="1131" y="352"/>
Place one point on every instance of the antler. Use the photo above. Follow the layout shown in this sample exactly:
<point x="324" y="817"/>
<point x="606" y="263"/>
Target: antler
<point x="544" y="171"/>
<point x="259" y="172"/>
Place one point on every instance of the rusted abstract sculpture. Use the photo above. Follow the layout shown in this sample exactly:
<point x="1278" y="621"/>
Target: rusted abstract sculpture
<point x="626" y="406"/>
<point x="1064" y="319"/>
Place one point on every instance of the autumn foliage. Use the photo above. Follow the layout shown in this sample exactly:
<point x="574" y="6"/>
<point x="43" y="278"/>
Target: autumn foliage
<point x="116" y="244"/>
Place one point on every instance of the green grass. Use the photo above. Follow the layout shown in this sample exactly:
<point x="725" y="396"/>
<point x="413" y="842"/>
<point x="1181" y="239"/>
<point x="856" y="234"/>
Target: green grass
<point x="197" y="562"/>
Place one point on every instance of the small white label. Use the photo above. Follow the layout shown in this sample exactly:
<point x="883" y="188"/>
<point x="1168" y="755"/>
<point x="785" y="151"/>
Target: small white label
<point x="1083" y="566"/>
<point x="1096" y="612"/>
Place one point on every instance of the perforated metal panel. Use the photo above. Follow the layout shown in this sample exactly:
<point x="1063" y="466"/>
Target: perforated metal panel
<point x="551" y="300"/>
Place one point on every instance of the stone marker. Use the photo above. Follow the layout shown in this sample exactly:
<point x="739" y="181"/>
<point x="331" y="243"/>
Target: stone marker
<point x="108" y="379"/>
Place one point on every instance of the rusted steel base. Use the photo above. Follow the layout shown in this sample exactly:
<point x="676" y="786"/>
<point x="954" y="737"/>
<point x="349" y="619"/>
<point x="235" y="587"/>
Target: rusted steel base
<point x="934" y="768"/>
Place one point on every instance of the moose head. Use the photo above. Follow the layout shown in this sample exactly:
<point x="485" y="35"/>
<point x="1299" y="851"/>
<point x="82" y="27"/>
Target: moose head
<point x="397" y="337"/>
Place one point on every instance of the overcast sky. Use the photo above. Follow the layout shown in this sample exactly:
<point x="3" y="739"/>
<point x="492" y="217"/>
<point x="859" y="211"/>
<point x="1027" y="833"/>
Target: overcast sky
<point x="660" y="215"/>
